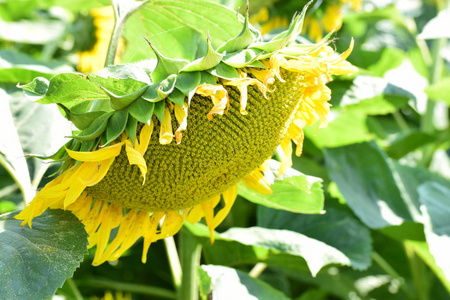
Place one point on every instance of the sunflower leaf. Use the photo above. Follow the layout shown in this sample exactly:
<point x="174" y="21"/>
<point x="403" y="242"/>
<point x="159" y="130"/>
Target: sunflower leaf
<point x="435" y="209"/>
<point x="293" y="192"/>
<point x="242" y="58"/>
<point x="122" y="92"/>
<point x="177" y="97"/>
<point x="210" y="60"/>
<point x="142" y="110"/>
<point x="179" y="28"/>
<point x="187" y="83"/>
<point x="159" y="91"/>
<point x="242" y="41"/>
<point x="83" y="121"/>
<point x="229" y="283"/>
<point x="116" y="125"/>
<point x="35" y="262"/>
<point x="130" y="128"/>
<point x="225" y="71"/>
<point x="365" y="178"/>
<point x="166" y="66"/>
<point x="336" y="228"/>
<point x="63" y="88"/>
<point x="96" y="128"/>
<point x="159" y="110"/>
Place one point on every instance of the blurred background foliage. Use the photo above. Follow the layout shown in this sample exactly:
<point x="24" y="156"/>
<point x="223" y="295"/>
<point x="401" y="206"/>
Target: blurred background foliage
<point x="384" y="156"/>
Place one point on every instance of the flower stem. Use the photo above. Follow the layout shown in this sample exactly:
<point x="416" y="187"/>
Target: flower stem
<point x="190" y="251"/>
<point x="419" y="278"/>
<point x="383" y="264"/>
<point x="174" y="261"/>
<point x="122" y="10"/>
<point x="257" y="270"/>
<point x="74" y="289"/>
<point x="128" y="287"/>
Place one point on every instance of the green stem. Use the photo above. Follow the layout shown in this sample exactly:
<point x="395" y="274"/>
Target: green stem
<point x="257" y="270"/>
<point x="121" y="16"/>
<point x="417" y="268"/>
<point x="74" y="288"/>
<point x="400" y="121"/>
<point x="190" y="251"/>
<point x="119" y="24"/>
<point x="174" y="261"/>
<point x="427" y="122"/>
<point x="128" y="287"/>
<point x="383" y="264"/>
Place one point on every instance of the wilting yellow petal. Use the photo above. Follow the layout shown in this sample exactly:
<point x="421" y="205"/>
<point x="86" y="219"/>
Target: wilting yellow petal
<point x="256" y="181"/>
<point x="219" y="97"/>
<point x="150" y="233"/>
<point x="229" y="196"/>
<point x="166" y="133"/>
<point x="208" y="211"/>
<point x="286" y="159"/>
<point x="135" y="158"/>
<point x="92" y="156"/>
<point x="181" y="113"/>
<point x="144" y="138"/>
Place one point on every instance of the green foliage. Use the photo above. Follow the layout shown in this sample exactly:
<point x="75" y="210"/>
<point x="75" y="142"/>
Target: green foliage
<point x="372" y="221"/>
<point x="35" y="262"/>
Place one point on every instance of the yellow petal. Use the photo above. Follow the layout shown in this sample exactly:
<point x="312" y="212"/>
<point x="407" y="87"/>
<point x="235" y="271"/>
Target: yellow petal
<point x="144" y="137"/>
<point x="256" y="181"/>
<point x="92" y="156"/>
<point x="181" y="113"/>
<point x="135" y="158"/>
<point x="166" y="133"/>
<point x="229" y="196"/>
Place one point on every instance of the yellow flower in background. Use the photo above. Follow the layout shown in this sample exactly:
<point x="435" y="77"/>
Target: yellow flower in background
<point x="184" y="162"/>
<point x="92" y="60"/>
<point x="316" y="25"/>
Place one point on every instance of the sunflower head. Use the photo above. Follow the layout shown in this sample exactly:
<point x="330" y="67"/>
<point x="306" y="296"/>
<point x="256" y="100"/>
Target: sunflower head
<point x="160" y="147"/>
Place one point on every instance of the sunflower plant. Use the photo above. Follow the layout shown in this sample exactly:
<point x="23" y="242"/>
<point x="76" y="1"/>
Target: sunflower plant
<point x="196" y="110"/>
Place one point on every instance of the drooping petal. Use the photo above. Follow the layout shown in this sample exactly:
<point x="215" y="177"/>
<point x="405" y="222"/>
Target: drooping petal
<point x="135" y="158"/>
<point x="256" y="181"/>
<point x="92" y="156"/>
<point x="166" y="133"/>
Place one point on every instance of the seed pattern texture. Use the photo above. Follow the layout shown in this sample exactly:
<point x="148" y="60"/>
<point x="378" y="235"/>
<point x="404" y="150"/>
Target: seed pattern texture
<point x="212" y="156"/>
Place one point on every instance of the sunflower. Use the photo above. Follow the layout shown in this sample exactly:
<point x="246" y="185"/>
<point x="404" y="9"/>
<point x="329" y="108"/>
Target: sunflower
<point x="91" y="60"/>
<point x="322" y="20"/>
<point x="175" y="147"/>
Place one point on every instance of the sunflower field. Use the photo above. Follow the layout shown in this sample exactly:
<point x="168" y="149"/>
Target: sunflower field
<point x="224" y="149"/>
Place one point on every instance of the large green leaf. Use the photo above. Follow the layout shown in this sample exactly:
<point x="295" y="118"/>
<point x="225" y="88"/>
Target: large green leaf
<point x="316" y="253"/>
<point x="436" y="210"/>
<point x="228" y="283"/>
<point x="374" y="96"/>
<point x="35" y="262"/>
<point x="32" y="32"/>
<point x="440" y="90"/>
<point x="41" y="130"/>
<point x="65" y="88"/>
<point x="17" y="67"/>
<point x="11" y="152"/>
<point x="293" y="191"/>
<point x="364" y="177"/>
<point x="179" y="28"/>
<point x="336" y="228"/>
<point x="345" y="127"/>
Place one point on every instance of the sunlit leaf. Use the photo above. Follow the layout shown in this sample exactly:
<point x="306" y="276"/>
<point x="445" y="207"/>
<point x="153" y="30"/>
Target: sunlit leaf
<point x="229" y="283"/>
